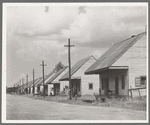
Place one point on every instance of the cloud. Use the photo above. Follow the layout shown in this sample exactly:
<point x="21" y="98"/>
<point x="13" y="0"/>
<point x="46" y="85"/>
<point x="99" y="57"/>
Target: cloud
<point x="37" y="33"/>
<point x="38" y="49"/>
<point x="104" y="24"/>
<point x="31" y="20"/>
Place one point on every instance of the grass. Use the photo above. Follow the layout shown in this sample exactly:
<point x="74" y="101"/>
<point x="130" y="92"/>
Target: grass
<point x="135" y="104"/>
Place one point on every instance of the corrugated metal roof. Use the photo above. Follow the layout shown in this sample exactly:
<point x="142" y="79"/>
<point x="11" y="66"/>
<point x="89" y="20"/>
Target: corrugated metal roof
<point x="36" y="82"/>
<point x="56" y="75"/>
<point x="113" y="54"/>
<point x="31" y="83"/>
<point x="40" y="82"/>
<point x="46" y="77"/>
<point x="75" y="68"/>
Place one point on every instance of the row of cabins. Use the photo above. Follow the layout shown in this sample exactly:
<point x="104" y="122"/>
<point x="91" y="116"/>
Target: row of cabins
<point x="119" y="69"/>
<point x="55" y="83"/>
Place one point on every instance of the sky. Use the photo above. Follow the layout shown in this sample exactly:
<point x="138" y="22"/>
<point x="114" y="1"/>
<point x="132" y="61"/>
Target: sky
<point x="36" y="33"/>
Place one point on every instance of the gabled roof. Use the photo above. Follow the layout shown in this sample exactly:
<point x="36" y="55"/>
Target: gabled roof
<point x="45" y="78"/>
<point x="56" y="75"/>
<point x="30" y="84"/>
<point x="36" y="82"/>
<point x="40" y="82"/>
<point x="75" y="68"/>
<point x="113" y="54"/>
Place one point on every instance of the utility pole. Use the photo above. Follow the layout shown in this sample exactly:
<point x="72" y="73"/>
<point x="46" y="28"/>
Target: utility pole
<point x="22" y="84"/>
<point x="43" y="77"/>
<point x="145" y="30"/>
<point x="69" y="61"/>
<point x="33" y="82"/>
<point x="20" y="87"/>
<point x="27" y="83"/>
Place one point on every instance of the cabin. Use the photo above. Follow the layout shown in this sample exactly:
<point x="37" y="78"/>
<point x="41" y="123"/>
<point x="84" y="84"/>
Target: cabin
<point x="54" y="81"/>
<point x="31" y="87"/>
<point x="82" y="84"/>
<point x="48" y="88"/>
<point x="35" y="85"/>
<point x="11" y="90"/>
<point x="123" y="67"/>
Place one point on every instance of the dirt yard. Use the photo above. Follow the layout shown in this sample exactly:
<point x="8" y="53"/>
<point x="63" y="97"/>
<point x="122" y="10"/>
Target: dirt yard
<point x="35" y="108"/>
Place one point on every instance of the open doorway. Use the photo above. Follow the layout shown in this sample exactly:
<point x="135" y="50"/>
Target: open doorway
<point x="56" y="88"/>
<point x="116" y="86"/>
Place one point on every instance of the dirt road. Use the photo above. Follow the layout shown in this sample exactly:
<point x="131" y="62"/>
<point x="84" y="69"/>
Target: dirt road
<point x="23" y="108"/>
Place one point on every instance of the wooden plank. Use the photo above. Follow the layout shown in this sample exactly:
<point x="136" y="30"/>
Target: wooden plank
<point x="137" y="88"/>
<point x="131" y="94"/>
<point x="139" y="93"/>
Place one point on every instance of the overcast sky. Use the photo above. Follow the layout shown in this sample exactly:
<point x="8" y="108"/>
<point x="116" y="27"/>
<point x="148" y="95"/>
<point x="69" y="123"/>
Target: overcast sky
<point x="36" y="33"/>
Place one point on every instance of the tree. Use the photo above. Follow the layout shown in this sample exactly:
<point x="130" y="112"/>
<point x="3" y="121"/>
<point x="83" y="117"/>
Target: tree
<point x="58" y="67"/>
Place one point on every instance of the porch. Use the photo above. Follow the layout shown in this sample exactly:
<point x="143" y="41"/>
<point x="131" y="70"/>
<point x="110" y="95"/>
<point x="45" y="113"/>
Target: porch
<point x="114" y="82"/>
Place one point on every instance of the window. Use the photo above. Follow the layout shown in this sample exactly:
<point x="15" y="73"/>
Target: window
<point x="123" y="82"/>
<point x="90" y="86"/>
<point x="140" y="81"/>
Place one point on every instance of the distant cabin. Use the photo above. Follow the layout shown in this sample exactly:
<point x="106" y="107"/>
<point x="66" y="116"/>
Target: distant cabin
<point x="55" y="83"/>
<point x="39" y="85"/>
<point x="36" y="85"/>
<point x="31" y="87"/>
<point x="82" y="84"/>
<point x="123" y="66"/>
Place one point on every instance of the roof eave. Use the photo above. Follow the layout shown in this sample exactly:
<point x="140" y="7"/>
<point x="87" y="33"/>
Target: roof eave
<point x="95" y="71"/>
<point x="107" y="68"/>
<point x="64" y="79"/>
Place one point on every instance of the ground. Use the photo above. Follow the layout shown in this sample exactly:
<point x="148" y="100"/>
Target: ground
<point x="24" y="108"/>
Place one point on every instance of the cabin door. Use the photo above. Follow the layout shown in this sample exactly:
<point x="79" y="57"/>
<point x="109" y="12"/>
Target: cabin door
<point x="56" y="89"/>
<point x="116" y="86"/>
<point x="106" y="86"/>
<point x="46" y="89"/>
<point x="76" y="87"/>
